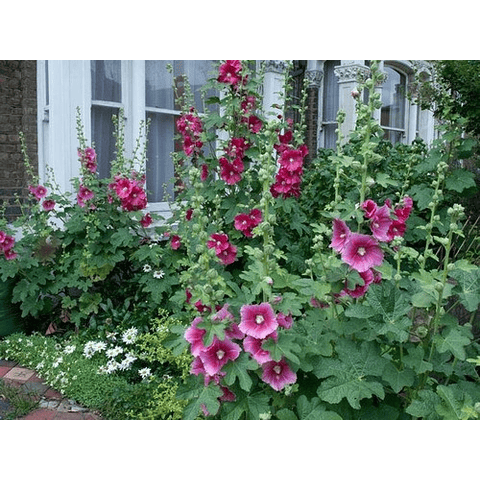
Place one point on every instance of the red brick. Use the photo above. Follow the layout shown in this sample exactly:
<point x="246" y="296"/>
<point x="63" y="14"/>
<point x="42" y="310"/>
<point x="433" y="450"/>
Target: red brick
<point x="4" y="370"/>
<point x="40" y="414"/>
<point x="50" y="393"/>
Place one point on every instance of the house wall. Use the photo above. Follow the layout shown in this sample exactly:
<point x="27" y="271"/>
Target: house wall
<point x="18" y="113"/>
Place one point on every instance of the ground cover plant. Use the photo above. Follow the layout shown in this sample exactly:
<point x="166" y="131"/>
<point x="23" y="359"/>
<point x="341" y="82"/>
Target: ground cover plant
<point x="286" y="291"/>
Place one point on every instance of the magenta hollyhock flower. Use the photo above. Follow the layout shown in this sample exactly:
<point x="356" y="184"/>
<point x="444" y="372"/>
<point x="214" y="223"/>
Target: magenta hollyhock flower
<point x="197" y="368"/>
<point x="285" y="321"/>
<point x="402" y="213"/>
<point x="188" y="214"/>
<point x="229" y="72"/>
<point x="292" y="160"/>
<point x="48" y="205"/>
<point x="137" y="200"/>
<point x="248" y="104"/>
<point x="201" y="307"/>
<point x="237" y="147"/>
<point x="188" y="295"/>
<point x="228" y="395"/>
<point x="253" y="346"/>
<point x="257" y="321"/>
<point x="340" y="235"/>
<point x="219" y="241"/>
<point x="123" y="187"/>
<point x="10" y="254"/>
<point x="229" y="255"/>
<point x="284" y="140"/>
<point x="287" y="183"/>
<point x="194" y="336"/>
<point x="83" y="195"/>
<point x="231" y="171"/>
<point x="254" y="124"/>
<point x="246" y="222"/>
<point x="278" y="374"/>
<point x="204" y="173"/>
<point x="38" y="192"/>
<point x="380" y="223"/>
<point x="362" y="252"/>
<point x="233" y="332"/>
<point x="146" y="220"/>
<point x="218" y="354"/>
<point x="223" y="314"/>
<point x="360" y="290"/>
<point x="175" y="242"/>
<point x="397" y="229"/>
<point x="369" y="207"/>
<point x="7" y="242"/>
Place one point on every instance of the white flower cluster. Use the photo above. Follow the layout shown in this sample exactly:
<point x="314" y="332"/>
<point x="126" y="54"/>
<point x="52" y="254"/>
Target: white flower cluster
<point x="93" y="347"/>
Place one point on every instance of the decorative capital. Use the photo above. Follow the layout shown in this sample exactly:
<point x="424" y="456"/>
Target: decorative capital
<point x="351" y="73"/>
<point x="275" y="66"/>
<point x="314" y="78"/>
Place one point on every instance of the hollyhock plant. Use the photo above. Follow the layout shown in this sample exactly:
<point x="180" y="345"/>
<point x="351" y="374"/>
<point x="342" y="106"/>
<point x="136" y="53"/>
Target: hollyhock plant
<point x="292" y="160"/>
<point x="246" y="222"/>
<point x="204" y="172"/>
<point x="284" y="321"/>
<point x="257" y="321"/>
<point x="369" y="207"/>
<point x="84" y="194"/>
<point x="380" y="223"/>
<point x="38" y="192"/>
<point x="218" y="354"/>
<point x="229" y="255"/>
<point x="362" y="252"/>
<point x="88" y="158"/>
<point x="254" y="124"/>
<point x="146" y="220"/>
<point x="237" y="148"/>
<point x="278" y="374"/>
<point x="219" y="241"/>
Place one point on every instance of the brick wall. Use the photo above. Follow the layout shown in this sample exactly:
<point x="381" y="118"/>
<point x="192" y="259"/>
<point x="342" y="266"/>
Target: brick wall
<point x="18" y="113"/>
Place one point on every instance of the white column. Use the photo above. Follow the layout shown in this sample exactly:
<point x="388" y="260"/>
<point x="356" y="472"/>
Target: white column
<point x="273" y="87"/>
<point x="347" y="74"/>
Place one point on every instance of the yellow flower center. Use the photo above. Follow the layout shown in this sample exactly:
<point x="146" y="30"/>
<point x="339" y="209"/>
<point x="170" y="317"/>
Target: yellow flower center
<point x="259" y="319"/>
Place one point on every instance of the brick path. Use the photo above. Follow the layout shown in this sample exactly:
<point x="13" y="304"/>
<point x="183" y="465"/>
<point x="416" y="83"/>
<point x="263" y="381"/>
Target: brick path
<point x="52" y="405"/>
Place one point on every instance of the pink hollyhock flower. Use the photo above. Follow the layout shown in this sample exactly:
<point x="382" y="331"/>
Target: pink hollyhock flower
<point x="397" y="229"/>
<point x="228" y="395"/>
<point x="229" y="255"/>
<point x="278" y="374"/>
<point x="7" y="243"/>
<point x="38" y="192"/>
<point x="287" y="183"/>
<point x="360" y="290"/>
<point x="362" y="252"/>
<point x="201" y="307"/>
<point x="188" y="214"/>
<point x="194" y="336"/>
<point x="146" y="220"/>
<point x="285" y="321"/>
<point x="219" y="241"/>
<point x="10" y="254"/>
<point x="237" y="147"/>
<point x="402" y="213"/>
<point x="292" y="160"/>
<point x="246" y="222"/>
<point x="229" y="72"/>
<point x="197" y="368"/>
<point x="231" y="172"/>
<point x="83" y="195"/>
<point x="218" y="354"/>
<point x="123" y="187"/>
<point x="284" y="140"/>
<point x="188" y="295"/>
<point x="204" y="173"/>
<point x="175" y="242"/>
<point x="137" y="200"/>
<point x="223" y="314"/>
<point x="48" y="205"/>
<point x="380" y="223"/>
<point x="253" y="346"/>
<point x="340" y="235"/>
<point x="233" y="332"/>
<point x="248" y="104"/>
<point x="257" y="321"/>
<point x="369" y="207"/>
<point x="254" y="124"/>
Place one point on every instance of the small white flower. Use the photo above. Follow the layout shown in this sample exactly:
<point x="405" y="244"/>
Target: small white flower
<point x="147" y="268"/>
<point x="113" y="352"/>
<point x="111" y="335"/>
<point x="69" y="349"/>
<point x="112" y="365"/>
<point x="130" y="335"/>
<point x="158" y="274"/>
<point x="145" y="372"/>
<point x="102" y="370"/>
<point x="57" y="362"/>
<point x="129" y="357"/>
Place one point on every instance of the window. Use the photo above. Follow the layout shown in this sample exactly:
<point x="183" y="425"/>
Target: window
<point x="392" y="116"/>
<point x="330" y="104"/>
<point x="143" y="89"/>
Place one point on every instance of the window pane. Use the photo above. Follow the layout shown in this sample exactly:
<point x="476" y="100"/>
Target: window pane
<point x="159" y="168"/>
<point x="159" y="82"/>
<point x="393" y="99"/>
<point x="102" y="136"/>
<point x="330" y="91"/>
<point x="106" y="80"/>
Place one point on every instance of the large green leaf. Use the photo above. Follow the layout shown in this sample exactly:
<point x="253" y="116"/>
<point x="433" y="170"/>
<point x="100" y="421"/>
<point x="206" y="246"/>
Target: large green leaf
<point x="353" y="375"/>
<point x="314" y="410"/>
<point x="454" y="340"/>
<point x="468" y="278"/>
<point x="249" y="405"/>
<point x="398" y="379"/>
<point x="424" y="406"/>
<point x="239" y="369"/>
<point x="455" y="404"/>
<point x="199" y="395"/>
